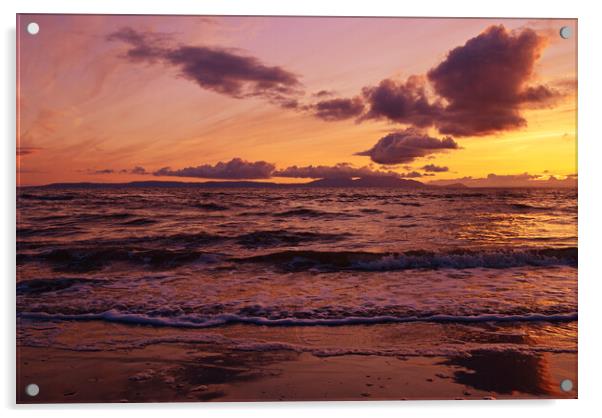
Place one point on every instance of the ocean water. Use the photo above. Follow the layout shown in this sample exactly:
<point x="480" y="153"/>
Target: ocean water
<point x="204" y="265"/>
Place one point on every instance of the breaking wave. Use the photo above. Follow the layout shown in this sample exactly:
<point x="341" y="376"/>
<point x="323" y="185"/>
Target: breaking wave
<point x="455" y="259"/>
<point x="224" y="319"/>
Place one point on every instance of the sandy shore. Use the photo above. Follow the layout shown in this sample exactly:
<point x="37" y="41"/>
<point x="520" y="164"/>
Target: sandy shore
<point x="190" y="372"/>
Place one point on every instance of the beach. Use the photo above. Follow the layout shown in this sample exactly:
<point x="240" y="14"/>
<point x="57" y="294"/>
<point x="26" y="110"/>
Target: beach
<point x="190" y="371"/>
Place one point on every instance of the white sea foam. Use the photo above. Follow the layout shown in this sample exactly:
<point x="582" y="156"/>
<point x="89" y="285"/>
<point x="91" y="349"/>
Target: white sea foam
<point x="217" y="320"/>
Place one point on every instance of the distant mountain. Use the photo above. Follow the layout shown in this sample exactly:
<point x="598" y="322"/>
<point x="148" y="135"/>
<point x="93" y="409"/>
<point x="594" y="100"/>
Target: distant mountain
<point x="453" y="186"/>
<point x="373" y="181"/>
<point x="167" y="184"/>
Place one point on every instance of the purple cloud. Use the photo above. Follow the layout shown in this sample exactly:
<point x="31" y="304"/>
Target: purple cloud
<point x="225" y="71"/>
<point x="485" y="82"/>
<point x="405" y="103"/>
<point x="338" y="109"/>
<point x="432" y="168"/>
<point x="511" y="180"/>
<point x="406" y="146"/>
<point x="233" y="169"/>
<point x="340" y="170"/>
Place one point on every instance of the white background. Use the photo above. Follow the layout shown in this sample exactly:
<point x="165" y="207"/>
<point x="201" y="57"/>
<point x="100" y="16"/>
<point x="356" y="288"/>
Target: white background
<point x="590" y="253"/>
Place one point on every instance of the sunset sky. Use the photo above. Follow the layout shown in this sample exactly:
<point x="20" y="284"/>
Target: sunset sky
<point x="290" y="99"/>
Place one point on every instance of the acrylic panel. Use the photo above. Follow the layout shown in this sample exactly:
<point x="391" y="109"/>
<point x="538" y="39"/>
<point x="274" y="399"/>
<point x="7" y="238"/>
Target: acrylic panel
<point x="230" y="208"/>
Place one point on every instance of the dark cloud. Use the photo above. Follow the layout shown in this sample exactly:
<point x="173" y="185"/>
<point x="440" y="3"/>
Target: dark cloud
<point x="401" y="102"/>
<point x="432" y="168"/>
<point x="233" y="169"/>
<point x="21" y="151"/>
<point x="323" y="93"/>
<point x="103" y="171"/>
<point x="135" y="170"/>
<point x="480" y="88"/>
<point x="485" y="82"/>
<point x="144" y="46"/>
<point x="539" y="95"/>
<point x="138" y="170"/>
<point x="512" y="180"/>
<point x="406" y="146"/>
<point x="340" y="170"/>
<point x="411" y="175"/>
<point x="339" y="109"/>
<point x="224" y="71"/>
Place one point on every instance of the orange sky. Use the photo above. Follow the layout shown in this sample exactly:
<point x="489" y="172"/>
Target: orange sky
<point x="84" y="107"/>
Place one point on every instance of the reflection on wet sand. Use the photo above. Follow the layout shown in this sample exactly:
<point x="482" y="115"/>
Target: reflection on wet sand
<point x="504" y="372"/>
<point x="205" y="374"/>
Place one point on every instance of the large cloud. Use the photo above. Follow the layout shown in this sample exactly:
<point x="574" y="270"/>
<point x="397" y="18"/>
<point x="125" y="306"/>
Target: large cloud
<point x="405" y="146"/>
<point x="485" y="82"/>
<point x="340" y="170"/>
<point x="221" y="70"/>
<point x="480" y="87"/>
<point x="233" y="169"/>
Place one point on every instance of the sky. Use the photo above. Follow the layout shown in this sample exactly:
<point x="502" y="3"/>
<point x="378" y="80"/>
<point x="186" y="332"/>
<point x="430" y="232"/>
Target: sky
<point x="488" y="102"/>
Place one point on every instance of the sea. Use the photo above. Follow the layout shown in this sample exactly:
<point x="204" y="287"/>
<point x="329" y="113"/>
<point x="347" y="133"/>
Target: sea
<point x="193" y="264"/>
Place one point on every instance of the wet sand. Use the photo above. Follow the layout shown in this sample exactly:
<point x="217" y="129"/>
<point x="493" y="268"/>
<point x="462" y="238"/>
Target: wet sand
<point x="191" y="372"/>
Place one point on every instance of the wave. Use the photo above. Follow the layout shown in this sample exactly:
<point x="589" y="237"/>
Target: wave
<point x="47" y="197"/>
<point x="281" y="237"/>
<point x="133" y="248"/>
<point x="461" y="194"/>
<point x="311" y="213"/>
<point x="139" y="222"/>
<point x="526" y="207"/>
<point x="226" y="319"/>
<point x="89" y="259"/>
<point x="211" y="207"/>
<point x="455" y="259"/>
<point x="47" y="231"/>
<point x="254" y="213"/>
<point x="155" y="252"/>
<point x="38" y="286"/>
<point x="402" y="203"/>
<point x="371" y="211"/>
<point x="85" y="217"/>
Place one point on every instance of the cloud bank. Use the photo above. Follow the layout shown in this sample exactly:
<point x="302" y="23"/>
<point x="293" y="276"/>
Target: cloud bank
<point x="340" y="170"/>
<point x="238" y="168"/>
<point x="233" y="169"/>
<point x="511" y="180"/>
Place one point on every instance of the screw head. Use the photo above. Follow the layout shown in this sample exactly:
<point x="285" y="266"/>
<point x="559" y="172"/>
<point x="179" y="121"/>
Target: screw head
<point x="32" y="389"/>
